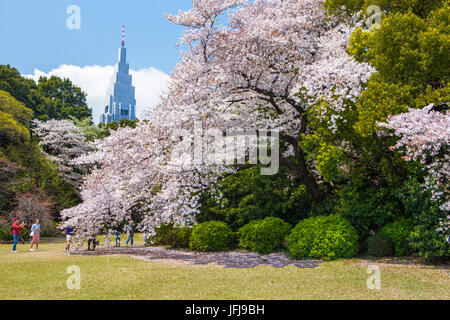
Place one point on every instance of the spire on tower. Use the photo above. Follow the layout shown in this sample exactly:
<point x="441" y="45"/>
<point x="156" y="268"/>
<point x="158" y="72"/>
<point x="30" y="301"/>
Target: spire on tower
<point x="123" y="35"/>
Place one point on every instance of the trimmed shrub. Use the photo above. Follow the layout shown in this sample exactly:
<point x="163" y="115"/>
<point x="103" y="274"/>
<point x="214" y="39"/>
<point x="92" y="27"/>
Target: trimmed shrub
<point x="264" y="236"/>
<point x="179" y="237"/>
<point x="330" y="237"/>
<point x="380" y="245"/>
<point x="161" y="236"/>
<point x="244" y="232"/>
<point x="399" y="231"/>
<point x="211" y="236"/>
<point x="168" y="235"/>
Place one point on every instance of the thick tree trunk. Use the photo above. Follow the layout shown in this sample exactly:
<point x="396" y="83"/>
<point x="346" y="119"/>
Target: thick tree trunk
<point x="310" y="183"/>
<point x="300" y="169"/>
<point x="313" y="188"/>
<point x="303" y="176"/>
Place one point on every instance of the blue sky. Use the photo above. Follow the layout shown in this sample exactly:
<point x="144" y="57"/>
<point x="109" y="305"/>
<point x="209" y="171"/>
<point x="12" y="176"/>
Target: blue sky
<point x="37" y="41"/>
<point x="34" y="33"/>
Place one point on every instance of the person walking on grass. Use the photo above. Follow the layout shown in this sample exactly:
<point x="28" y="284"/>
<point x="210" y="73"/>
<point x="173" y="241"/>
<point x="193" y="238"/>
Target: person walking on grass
<point x="15" y="230"/>
<point x="69" y="234"/>
<point x="92" y="240"/>
<point x="35" y="235"/>
<point x="117" y="234"/>
<point x="130" y="233"/>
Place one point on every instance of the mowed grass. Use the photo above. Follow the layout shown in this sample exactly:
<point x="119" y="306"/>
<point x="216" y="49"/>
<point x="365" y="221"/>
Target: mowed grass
<point x="43" y="275"/>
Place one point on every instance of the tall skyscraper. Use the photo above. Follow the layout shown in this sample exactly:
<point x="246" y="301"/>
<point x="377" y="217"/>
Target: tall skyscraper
<point x="122" y="102"/>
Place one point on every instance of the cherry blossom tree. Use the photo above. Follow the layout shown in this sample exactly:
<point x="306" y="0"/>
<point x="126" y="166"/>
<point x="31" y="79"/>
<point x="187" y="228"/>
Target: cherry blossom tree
<point x="425" y="137"/>
<point x="132" y="172"/>
<point x="260" y="70"/>
<point x="62" y="141"/>
<point x="32" y="205"/>
<point x="264" y="70"/>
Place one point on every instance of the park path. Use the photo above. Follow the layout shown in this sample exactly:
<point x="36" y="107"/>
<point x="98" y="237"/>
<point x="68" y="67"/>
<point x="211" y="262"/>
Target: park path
<point x="227" y="259"/>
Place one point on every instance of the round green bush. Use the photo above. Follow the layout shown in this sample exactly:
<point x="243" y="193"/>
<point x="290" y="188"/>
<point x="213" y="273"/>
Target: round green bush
<point x="323" y="237"/>
<point x="399" y="231"/>
<point x="244" y="232"/>
<point x="211" y="236"/>
<point x="264" y="236"/>
<point x="380" y="245"/>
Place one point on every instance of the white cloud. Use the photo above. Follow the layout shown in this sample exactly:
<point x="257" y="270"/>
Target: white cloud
<point x="96" y="81"/>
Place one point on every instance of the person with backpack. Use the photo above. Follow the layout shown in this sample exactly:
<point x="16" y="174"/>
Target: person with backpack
<point x="130" y="233"/>
<point x="35" y="235"/>
<point x="15" y="230"/>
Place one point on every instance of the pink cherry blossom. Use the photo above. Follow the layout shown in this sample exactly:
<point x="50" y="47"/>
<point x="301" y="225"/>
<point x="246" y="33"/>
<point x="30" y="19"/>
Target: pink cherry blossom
<point x="244" y="65"/>
<point x="425" y="136"/>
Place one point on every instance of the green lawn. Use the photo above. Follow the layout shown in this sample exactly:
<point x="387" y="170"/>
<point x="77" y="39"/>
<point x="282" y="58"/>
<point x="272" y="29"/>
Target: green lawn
<point x="43" y="275"/>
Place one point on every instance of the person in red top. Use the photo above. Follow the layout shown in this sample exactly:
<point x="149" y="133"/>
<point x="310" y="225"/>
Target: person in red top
<point x="16" y="228"/>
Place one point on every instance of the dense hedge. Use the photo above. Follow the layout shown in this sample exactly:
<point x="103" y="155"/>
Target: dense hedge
<point x="264" y="236"/>
<point x="160" y="236"/>
<point x="5" y="234"/>
<point x="247" y="196"/>
<point x="169" y="235"/>
<point x="425" y="240"/>
<point x="211" y="236"/>
<point x="399" y="231"/>
<point x="180" y="237"/>
<point x="380" y="245"/>
<point x="329" y="238"/>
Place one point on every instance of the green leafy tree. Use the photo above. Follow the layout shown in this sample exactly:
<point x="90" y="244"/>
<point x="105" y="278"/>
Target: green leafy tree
<point x="14" y="119"/>
<point x="248" y="196"/>
<point x="20" y="113"/>
<point x="50" y="98"/>
<point x="24" y="167"/>
<point x="26" y="91"/>
<point x="38" y="171"/>
<point x="19" y="87"/>
<point x="90" y="130"/>
<point x="410" y="53"/>
<point x="68" y="99"/>
<point x="418" y="7"/>
<point x="361" y="172"/>
<point x="105" y="128"/>
<point x="8" y="171"/>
